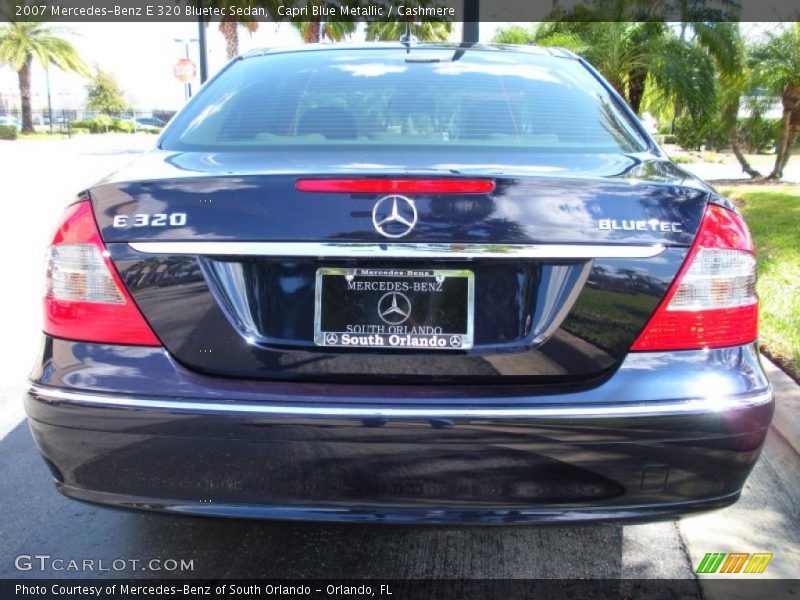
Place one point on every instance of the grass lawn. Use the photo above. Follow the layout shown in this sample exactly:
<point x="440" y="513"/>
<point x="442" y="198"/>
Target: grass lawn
<point x="773" y="214"/>
<point x="43" y="135"/>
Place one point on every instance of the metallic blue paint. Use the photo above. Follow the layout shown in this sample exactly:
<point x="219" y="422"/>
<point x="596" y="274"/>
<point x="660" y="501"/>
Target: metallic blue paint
<point x="406" y="469"/>
<point x="642" y="377"/>
<point x="261" y="203"/>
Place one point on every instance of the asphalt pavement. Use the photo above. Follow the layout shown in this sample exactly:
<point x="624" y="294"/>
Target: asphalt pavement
<point x="38" y="177"/>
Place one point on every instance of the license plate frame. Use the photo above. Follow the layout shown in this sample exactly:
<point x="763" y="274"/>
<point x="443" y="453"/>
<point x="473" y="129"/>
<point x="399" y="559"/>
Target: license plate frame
<point x="394" y="303"/>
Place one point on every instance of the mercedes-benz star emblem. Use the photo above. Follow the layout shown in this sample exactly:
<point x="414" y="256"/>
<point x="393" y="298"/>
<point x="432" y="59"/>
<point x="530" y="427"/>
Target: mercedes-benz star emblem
<point x="394" y="308"/>
<point x="394" y="216"/>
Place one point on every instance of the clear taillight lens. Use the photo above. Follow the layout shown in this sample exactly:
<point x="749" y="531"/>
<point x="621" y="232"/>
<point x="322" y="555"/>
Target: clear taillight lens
<point x="78" y="272"/>
<point x="717" y="278"/>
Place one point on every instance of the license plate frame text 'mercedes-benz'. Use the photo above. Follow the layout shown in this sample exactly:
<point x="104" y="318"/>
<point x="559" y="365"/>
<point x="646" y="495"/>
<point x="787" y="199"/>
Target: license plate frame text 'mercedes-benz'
<point x="394" y="309"/>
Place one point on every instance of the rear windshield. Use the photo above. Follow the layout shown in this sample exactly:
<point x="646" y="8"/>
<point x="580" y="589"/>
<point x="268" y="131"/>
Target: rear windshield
<point x="387" y="96"/>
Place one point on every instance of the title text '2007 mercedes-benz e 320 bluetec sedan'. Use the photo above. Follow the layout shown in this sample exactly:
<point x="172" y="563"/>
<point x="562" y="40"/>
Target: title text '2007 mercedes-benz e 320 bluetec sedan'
<point x="402" y="283"/>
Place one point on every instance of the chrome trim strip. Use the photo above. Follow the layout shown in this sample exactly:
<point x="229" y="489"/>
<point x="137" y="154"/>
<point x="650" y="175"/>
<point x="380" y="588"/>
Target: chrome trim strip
<point x="399" y="250"/>
<point x="642" y="409"/>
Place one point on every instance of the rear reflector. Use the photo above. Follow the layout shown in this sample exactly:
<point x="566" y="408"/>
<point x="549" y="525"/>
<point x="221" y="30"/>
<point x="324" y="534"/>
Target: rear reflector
<point x="85" y="299"/>
<point x="444" y="185"/>
<point x="712" y="303"/>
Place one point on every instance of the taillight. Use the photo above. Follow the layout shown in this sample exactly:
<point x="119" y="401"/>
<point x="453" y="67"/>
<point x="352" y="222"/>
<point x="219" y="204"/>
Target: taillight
<point x="401" y="185"/>
<point x="712" y="302"/>
<point x="85" y="299"/>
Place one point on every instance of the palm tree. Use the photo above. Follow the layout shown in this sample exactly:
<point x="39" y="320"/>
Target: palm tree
<point x="427" y="31"/>
<point x="229" y="27"/>
<point x="633" y="56"/>
<point x="314" y="32"/>
<point x="702" y="69"/>
<point x="310" y="31"/>
<point x="336" y="31"/>
<point x="733" y="80"/>
<point x="20" y="43"/>
<point x="776" y="63"/>
<point x="630" y="43"/>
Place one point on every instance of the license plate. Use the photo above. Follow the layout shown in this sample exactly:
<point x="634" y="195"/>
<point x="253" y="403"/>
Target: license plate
<point x="397" y="309"/>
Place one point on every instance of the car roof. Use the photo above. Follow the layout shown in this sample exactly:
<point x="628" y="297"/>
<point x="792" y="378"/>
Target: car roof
<point x="415" y="46"/>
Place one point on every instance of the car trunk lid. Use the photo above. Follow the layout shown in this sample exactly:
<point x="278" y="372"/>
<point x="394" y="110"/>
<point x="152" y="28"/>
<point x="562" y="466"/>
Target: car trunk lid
<point x="566" y="264"/>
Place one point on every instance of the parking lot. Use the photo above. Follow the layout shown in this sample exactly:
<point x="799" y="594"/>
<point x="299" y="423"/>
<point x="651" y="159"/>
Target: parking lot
<point x="38" y="177"/>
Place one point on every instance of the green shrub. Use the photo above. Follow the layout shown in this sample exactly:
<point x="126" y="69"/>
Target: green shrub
<point x="90" y="125"/>
<point x="758" y="134"/>
<point x="691" y="133"/>
<point x="666" y="138"/>
<point x="101" y="124"/>
<point x="716" y="137"/>
<point x="79" y="130"/>
<point x="664" y="127"/>
<point x="123" y="126"/>
<point x="8" y="132"/>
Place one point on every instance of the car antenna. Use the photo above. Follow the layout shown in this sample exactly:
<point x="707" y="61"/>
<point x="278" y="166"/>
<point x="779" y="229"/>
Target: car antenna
<point x="462" y="49"/>
<point x="406" y="38"/>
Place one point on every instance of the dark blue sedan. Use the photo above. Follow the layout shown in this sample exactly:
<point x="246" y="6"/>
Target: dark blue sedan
<point x="417" y="283"/>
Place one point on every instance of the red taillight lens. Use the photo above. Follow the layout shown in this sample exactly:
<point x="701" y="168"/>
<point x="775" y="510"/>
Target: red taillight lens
<point x="406" y="185"/>
<point x="712" y="302"/>
<point x="85" y="299"/>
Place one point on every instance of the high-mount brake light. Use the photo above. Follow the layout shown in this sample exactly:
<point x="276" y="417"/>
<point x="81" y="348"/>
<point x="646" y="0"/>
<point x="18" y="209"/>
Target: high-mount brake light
<point x="85" y="298"/>
<point x="712" y="303"/>
<point x="404" y="185"/>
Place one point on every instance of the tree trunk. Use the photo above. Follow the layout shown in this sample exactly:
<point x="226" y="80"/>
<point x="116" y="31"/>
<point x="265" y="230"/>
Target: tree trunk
<point x="24" y="76"/>
<point x="619" y="87"/>
<point x="794" y="130"/>
<point x="737" y="152"/>
<point x="777" y="170"/>
<point x="636" y="84"/>
<point x="230" y="31"/>
<point x="791" y="104"/>
<point x="311" y="33"/>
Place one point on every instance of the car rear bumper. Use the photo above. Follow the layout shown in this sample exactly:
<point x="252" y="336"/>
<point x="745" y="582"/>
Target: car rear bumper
<point x="191" y="444"/>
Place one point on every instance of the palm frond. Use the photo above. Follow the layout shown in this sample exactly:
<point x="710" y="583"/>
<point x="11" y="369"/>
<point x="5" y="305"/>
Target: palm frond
<point x="570" y="41"/>
<point x="22" y="41"/>
<point x="684" y="73"/>
<point x="429" y="31"/>
<point x="515" y="34"/>
<point x="724" y="43"/>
